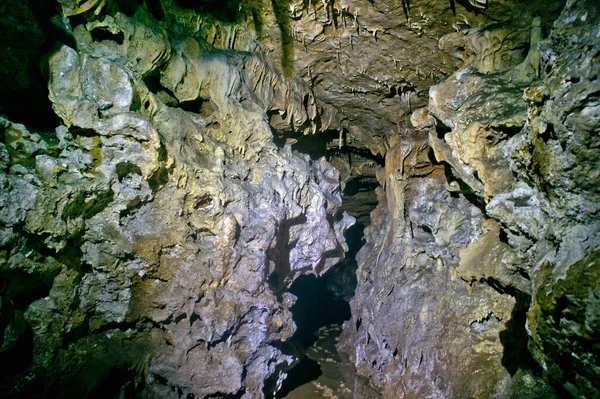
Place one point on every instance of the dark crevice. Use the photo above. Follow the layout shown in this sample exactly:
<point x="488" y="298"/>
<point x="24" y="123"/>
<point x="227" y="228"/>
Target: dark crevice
<point x="18" y="290"/>
<point x="360" y="184"/>
<point x="194" y="317"/>
<point x="476" y="176"/>
<point x="159" y="178"/>
<point x="426" y="229"/>
<point x="304" y="371"/>
<point x="152" y="82"/>
<point x="514" y="338"/>
<point x="406" y="8"/>
<point x="77" y="131"/>
<point x="324" y="301"/>
<point x="128" y="7"/>
<point x="100" y="35"/>
<point x="18" y="354"/>
<point x="548" y="134"/>
<point x="441" y="130"/>
<point x="393" y="92"/>
<point x="155" y="8"/>
<point x="361" y="152"/>
<point x="321" y="301"/>
<point x="325" y="144"/>
<point x="431" y="157"/>
<point x="194" y="106"/>
<point x="453" y="7"/>
<point x="77" y="332"/>
<point x="203" y="202"/>
<point x="465" y="189"/>
<point x="221" y="395"/>
<point x="508" y="130"/>
<point x="317" y="306"/>
<point x="400" y="89"/>
<point x="343" y="276"/>
<point x="124" y="169"/>
<point x="79" y="204"/>
<point x="71" y="255"/>
<point x="24" y="288"/>
<point x="221" y="10"/>
<point x="121" y="382"/>
<point x="521" y="272"/>
<point x="471" y="8"/>
<point x="28" y="31"/>
<point x="504" y="236"/>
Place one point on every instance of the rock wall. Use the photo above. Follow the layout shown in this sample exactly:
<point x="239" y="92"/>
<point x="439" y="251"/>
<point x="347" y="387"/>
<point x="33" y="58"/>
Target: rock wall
<point x="148" y="242"/>
<point x="477" y="279"/>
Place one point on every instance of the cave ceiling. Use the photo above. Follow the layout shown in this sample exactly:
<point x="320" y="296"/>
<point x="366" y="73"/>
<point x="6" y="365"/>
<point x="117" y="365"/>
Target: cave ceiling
<point x="369" y="64"/>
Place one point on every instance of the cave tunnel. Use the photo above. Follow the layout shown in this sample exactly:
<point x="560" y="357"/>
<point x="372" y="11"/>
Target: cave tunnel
<point x="143" y="141"/>
<point x="323" y="306"/>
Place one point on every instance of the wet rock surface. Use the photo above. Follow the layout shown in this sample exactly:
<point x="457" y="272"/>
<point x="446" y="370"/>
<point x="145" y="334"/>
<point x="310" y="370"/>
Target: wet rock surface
<point x="466" y="235"/>
<point x="199" y="159"/>
<point x="147" y="248"/>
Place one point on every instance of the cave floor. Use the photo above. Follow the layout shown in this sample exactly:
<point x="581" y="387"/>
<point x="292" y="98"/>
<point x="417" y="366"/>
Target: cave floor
<point x="330" y="383"/>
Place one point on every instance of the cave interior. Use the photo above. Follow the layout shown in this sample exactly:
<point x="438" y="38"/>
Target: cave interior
<point x="300" y="199"/>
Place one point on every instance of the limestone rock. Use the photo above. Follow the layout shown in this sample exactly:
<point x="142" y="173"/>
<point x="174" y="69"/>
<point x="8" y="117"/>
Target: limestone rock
<point x="148" y="241"/>
<point x="563" y="323"/>
<point x="438" y="330"/>
<point x="161" y="237"/>
<point x="512" y="148"/>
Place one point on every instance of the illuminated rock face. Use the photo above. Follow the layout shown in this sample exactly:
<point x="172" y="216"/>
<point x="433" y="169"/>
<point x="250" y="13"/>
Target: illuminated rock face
<point x="472" y="282"/>
<point x="147" y="243"/>
<point x="164" y="239"/>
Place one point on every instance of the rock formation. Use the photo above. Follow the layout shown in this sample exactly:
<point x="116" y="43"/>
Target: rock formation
<point x="489" y="213"/>
<point x="199" y="157"/>
<point x="149" y="241"/>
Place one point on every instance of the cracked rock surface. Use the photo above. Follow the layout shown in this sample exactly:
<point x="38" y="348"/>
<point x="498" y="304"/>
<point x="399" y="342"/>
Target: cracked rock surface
<point x="160" y="240"/>
<point x="472" y="282"/>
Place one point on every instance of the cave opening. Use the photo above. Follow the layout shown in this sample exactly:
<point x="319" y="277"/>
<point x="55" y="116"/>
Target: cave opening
<point x="319" y="304"/>
<point x="323" y="305"/>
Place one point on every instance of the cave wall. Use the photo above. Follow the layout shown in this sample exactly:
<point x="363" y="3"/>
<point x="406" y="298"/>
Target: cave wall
<point x="489" y="212"/>
<point x="147" y="242"/>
